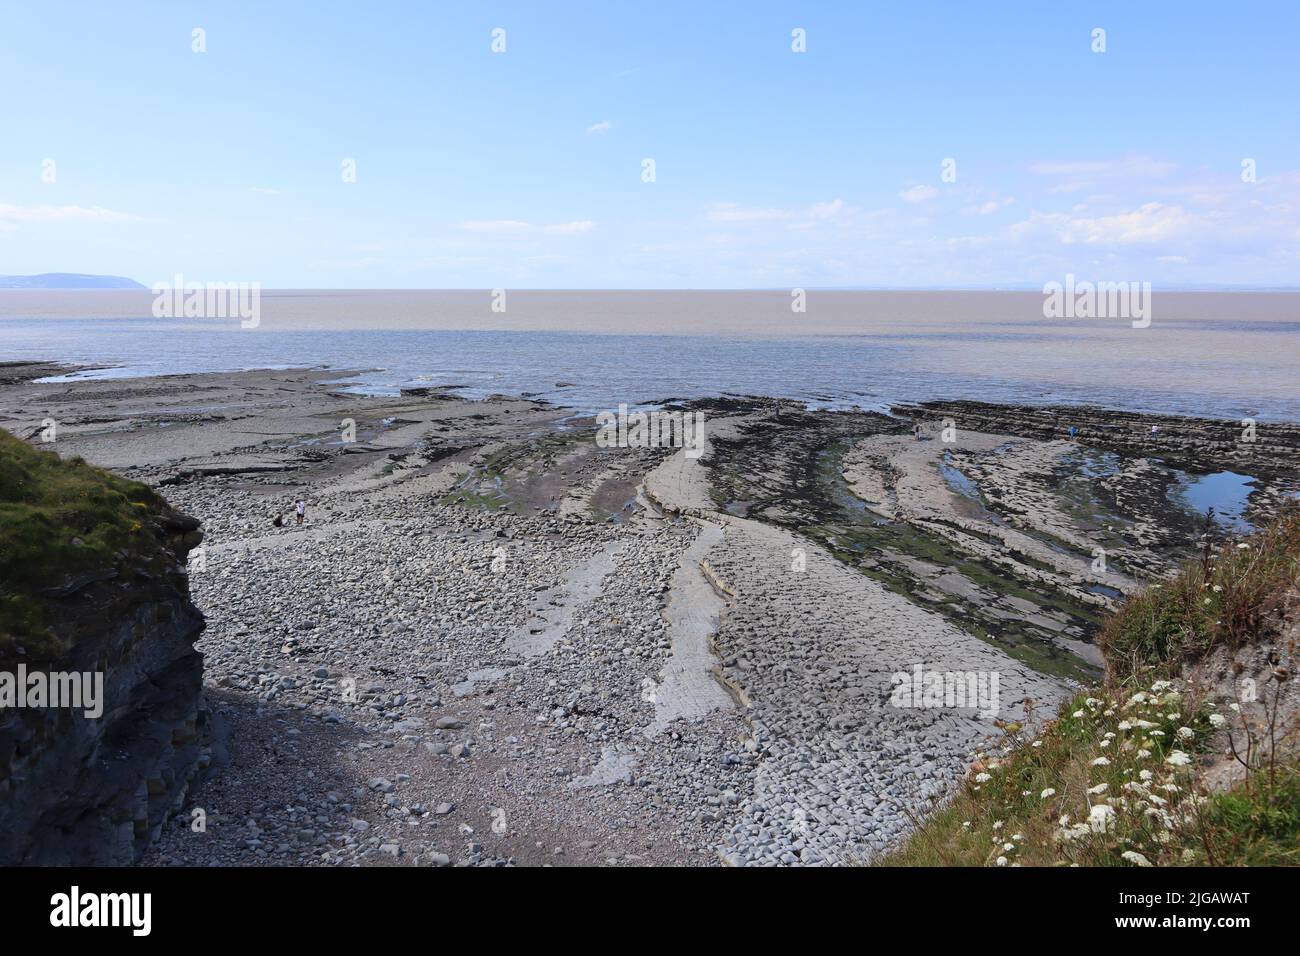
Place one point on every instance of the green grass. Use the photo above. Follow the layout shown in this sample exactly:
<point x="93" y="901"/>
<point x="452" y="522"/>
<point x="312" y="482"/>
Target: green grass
<point x="1257" y="826"/>
<point x="1226" y="598"/>
<point x="1034" y="805"/>
<point x="58" y="519"/>
<point x="1131" y="745"/>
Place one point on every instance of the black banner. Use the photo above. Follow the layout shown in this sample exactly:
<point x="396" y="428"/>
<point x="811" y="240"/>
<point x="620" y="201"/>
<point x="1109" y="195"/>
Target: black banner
<point x="340" y="905"/>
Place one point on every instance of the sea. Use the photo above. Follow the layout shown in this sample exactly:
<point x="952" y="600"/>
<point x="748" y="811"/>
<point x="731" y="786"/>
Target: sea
<point x="1213" y="354"/>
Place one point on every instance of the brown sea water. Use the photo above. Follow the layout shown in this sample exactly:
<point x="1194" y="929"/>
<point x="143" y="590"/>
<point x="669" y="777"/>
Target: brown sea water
<point x="1219" y="354"/>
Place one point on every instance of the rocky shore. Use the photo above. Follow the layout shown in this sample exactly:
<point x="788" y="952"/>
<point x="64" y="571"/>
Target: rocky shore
<point x="493" y="642"/>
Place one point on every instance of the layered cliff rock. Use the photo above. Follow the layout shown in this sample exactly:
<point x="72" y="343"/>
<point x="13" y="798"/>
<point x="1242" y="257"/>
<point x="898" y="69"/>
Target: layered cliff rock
<point x="93" y="582"/>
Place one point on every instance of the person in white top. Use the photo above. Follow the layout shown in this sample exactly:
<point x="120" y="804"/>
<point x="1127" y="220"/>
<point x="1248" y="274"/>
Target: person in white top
<point x="300" y="508"/>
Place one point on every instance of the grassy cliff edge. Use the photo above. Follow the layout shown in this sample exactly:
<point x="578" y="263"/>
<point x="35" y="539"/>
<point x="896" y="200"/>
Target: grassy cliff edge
<point x="1185" y="755"/>
<point x="62" y="522"/>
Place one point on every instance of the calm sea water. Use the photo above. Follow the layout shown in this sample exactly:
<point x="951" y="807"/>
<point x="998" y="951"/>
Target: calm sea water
<point x="1227" y="355"/>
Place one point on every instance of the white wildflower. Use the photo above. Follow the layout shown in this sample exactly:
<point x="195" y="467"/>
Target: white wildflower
<point x="1101" y="818"/>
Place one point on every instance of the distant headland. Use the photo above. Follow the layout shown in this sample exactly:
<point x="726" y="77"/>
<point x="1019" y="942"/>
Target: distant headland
<point x="68" y="280"/>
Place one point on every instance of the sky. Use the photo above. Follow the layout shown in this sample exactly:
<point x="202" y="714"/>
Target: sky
<point x="953" y="145"/>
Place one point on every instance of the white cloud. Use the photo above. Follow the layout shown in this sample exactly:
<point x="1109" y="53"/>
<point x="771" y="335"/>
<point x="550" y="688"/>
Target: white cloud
<point x="518" y="227"/>
<point x="496" y="225"/>
<point x="43" y="214"/>
<point x="731" y="212"/>
<point x="817" y="212"/>
<point x="826" y="210"/>
<point x="570" y="228"/>
<point x="1152" y="222"/>
<point x="1076" y="175"/>
<point x="1126" y="167"/>
<point x="987" y="208"/>
<point x="604" y="126"/>
<point x="918" y="194"/>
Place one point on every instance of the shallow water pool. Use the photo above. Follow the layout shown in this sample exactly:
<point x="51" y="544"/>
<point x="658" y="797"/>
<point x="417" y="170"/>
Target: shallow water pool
<point x="1225" y="491"/>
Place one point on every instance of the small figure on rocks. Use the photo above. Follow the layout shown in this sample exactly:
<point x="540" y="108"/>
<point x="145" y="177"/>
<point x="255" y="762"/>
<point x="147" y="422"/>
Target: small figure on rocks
<point x="278" y="521"/>
<point x="1073" y="431"/>
<point x="300" y="509"/>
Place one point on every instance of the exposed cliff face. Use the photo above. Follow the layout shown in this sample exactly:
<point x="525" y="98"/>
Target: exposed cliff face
<point x="95" y="790"/>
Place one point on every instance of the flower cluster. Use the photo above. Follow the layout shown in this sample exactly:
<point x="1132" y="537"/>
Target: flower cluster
<point x="1143" y="797"/>
<point x="1111" y="778"/>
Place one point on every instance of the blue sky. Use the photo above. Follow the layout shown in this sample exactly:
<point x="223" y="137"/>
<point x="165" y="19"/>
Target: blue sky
<point x="772" y="168"/>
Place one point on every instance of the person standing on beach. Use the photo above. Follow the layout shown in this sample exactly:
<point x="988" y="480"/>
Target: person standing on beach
<point x="300" y="509"/>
